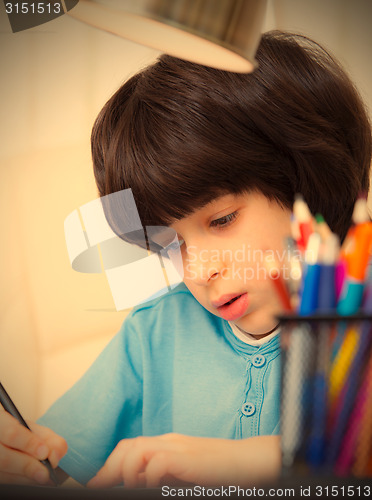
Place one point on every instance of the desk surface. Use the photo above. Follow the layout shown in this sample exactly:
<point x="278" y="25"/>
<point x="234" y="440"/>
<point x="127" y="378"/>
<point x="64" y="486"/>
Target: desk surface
<point x="290" y="487"/>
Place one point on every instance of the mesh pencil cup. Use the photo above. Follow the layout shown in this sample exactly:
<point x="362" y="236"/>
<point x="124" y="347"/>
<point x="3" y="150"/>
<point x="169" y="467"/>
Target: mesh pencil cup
<point x="326" y="403"/>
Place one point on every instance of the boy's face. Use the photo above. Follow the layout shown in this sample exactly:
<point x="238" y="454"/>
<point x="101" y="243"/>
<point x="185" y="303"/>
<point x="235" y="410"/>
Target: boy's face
<point x="223" y="250"/>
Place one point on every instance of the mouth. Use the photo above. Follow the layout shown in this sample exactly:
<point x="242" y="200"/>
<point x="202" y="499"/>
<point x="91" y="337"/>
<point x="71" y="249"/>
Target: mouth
<point x="232" y="307"/>
<point x="232" y="300"/>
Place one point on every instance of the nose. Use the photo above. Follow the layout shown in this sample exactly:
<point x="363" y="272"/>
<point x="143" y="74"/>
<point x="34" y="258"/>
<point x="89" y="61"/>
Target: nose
<point x="202" y="265"/>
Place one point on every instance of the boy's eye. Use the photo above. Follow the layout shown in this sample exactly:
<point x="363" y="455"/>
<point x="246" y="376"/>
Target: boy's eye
<point x="224" y="221"/>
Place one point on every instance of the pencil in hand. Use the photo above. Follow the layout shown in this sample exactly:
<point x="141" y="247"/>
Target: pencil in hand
<point x="11" y="408"/>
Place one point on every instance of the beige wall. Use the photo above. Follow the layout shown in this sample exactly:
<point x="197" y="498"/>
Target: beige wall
<point x="54" y="321"/>
<point x="54" y="80"/>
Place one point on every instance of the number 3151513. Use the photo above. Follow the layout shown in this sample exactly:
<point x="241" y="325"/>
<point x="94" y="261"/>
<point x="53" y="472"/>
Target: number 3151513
<point x="33" y="8"/>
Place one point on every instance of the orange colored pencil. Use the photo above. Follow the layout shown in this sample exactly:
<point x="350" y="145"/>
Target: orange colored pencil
<point x="278" y="283"/>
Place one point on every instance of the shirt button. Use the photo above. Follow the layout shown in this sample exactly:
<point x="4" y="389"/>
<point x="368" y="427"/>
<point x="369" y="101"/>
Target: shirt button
<point x="248" y="409"/>
<point x="258" y="361"/>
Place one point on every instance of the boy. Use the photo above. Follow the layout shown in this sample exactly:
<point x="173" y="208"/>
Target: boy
<point x="218" y="157"/>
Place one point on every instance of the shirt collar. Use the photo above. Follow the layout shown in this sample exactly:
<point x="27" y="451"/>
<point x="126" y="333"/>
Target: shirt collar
<point x="250" y="339"/>
<point x="271" y="347"/>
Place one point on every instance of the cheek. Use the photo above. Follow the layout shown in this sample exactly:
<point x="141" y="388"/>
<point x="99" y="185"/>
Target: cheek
<point x="280" y="229"/>
<point x="198" y="292"/>
<point x="272" y="228"/>
<point x="189" y="269"/>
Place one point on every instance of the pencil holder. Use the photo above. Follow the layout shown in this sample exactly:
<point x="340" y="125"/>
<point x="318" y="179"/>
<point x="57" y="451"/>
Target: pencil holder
<point x="326" y="401"/>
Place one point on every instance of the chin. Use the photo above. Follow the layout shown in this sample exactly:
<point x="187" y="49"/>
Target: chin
<point x="257" y="323"/>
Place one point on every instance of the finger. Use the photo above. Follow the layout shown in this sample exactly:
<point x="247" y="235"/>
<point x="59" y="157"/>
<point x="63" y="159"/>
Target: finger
<point x="141" y="480"/>
<point x="136" y="458"/>
<point x="111" y="473"/>
<point x="15" y="435"/>
<point x="133" y="468"/>
<point x="56" y="444"/>
<point x="7" y="478"/>
<point x="169" y="467"/>
<point x="158" y="468"/>
<point x="18" y="463"/>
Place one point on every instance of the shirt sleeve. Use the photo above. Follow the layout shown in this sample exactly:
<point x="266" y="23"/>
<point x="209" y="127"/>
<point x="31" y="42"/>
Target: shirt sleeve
<point x="104" y="406"/>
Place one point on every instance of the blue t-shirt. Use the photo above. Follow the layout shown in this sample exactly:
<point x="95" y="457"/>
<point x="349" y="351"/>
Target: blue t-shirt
<point x="172" y="367"/>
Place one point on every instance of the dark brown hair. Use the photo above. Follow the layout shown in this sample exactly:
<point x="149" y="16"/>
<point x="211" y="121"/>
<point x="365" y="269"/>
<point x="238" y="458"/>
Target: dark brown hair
<point x="179" y="134"/>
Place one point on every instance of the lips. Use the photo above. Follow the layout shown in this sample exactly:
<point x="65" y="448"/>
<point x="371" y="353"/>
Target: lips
<point x="233" y="306"/>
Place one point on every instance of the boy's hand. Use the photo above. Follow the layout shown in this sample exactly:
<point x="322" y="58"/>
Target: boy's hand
<point x="179" y="459"/>
<point x="21" y="451"/>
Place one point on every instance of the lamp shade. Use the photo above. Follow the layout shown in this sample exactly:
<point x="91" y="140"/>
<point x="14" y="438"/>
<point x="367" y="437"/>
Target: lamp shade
<point x="219" y="33"/>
